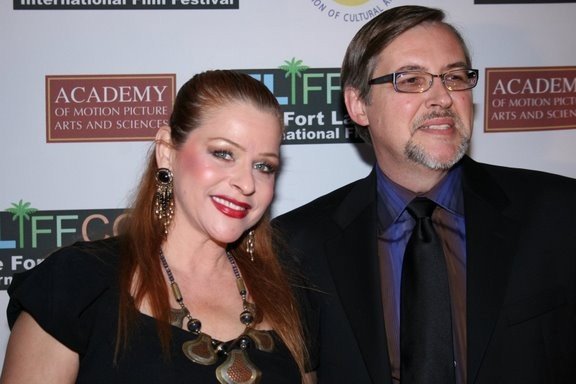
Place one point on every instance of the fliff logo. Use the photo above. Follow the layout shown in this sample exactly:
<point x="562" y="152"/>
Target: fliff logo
<point x="351" y="11"/>
<point x="311" y="99"/>
<point x="28" y="235"/>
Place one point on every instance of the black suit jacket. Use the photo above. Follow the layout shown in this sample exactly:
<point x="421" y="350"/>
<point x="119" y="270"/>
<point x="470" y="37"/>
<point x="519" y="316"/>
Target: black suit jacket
<point x="521" y="278"/>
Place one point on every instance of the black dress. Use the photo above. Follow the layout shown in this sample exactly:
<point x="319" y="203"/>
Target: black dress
<point x="73" y="295"/>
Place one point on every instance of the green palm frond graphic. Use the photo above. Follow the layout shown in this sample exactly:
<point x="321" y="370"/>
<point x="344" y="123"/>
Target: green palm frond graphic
<point x="293" y="68"/>
<point x="20" y="212"/>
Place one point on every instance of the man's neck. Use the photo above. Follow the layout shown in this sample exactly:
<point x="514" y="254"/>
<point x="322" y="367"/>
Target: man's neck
<point x="416" y="178"/>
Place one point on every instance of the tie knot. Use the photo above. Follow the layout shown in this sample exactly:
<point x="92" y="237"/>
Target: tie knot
<point x="421" y="207"/>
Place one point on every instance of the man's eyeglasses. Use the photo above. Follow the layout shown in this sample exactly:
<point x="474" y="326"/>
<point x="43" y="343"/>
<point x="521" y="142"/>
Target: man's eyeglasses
<point x="420" y="81"/>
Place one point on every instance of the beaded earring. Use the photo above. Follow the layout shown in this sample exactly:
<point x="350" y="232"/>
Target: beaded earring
<point x="250" y="244"/>
<point x="164" y="197"/>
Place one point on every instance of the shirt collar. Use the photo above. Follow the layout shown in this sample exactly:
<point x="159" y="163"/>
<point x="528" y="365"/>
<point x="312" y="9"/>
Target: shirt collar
<point x="393" y="198"/>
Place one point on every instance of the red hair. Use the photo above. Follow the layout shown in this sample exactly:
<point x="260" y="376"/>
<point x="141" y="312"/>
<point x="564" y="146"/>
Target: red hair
<point x="141" y="276"/>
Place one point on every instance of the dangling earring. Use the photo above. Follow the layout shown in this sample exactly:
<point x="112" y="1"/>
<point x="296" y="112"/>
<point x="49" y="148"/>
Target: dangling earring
<point x="250" y="244"/>
<point x="164" y="197"/>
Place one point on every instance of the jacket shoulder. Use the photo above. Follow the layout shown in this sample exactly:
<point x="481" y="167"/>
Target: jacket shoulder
<point x="319" y="208"/>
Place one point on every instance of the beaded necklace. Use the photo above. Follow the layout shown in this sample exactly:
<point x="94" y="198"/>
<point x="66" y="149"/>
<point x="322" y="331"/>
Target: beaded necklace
<point x="203" y="349"/>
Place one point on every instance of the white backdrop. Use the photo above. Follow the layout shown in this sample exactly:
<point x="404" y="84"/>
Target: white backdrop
<point x="260" y="34"/>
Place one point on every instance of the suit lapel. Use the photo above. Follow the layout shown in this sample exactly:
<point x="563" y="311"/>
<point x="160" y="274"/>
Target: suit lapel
<point x="352" y="256"/>
<point x="490" y="243"/>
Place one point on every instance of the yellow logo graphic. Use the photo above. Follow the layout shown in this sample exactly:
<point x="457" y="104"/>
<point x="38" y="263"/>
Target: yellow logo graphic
<point x="351" y="11"/>
<point x="352" y="3"/>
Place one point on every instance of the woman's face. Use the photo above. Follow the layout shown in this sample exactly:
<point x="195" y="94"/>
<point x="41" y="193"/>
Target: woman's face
<point x="224" y="173"/>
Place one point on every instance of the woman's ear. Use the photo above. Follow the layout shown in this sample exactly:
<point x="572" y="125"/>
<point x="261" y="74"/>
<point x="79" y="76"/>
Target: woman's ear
<point x="164" y="148"/>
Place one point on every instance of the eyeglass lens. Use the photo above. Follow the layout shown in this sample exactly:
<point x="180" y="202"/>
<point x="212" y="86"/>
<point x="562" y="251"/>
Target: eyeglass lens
<point x="416" y="82"/>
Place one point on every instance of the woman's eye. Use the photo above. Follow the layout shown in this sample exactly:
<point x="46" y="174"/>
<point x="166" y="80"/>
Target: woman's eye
<point x="265" y="167"/>
<point x="221" y="154"/>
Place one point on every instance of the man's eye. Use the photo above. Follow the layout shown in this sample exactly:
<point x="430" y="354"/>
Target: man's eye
<point x="414" y="80"/>
<point x="456" y="77"/>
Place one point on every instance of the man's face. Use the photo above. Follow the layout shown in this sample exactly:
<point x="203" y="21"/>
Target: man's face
<point x="428" y="130"/>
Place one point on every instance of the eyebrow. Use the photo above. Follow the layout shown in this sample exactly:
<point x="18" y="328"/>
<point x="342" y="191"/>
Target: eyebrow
<point x="456" y="65"/>
<point x="235" y="144"/>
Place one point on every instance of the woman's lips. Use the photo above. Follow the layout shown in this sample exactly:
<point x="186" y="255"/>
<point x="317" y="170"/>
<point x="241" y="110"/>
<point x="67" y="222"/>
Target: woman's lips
<point x="231" y="207"/>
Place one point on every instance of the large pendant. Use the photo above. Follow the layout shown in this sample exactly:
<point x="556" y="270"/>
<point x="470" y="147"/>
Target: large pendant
<point x="200" y="350"/>
<point x="177" y="317"/>
<point x="262" y="339"/>
<point x="238" y="369"/>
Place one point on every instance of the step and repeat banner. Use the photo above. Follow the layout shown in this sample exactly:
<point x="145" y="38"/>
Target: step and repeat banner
<point x="85" y="84"/>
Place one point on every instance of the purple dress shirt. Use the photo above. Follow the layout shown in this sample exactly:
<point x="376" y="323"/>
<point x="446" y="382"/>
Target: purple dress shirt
<point x="395" y="226"/>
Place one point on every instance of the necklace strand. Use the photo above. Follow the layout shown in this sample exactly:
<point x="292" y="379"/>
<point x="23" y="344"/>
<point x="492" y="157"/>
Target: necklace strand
<point x="237" y="368"/>
<point x="194" y="325"/>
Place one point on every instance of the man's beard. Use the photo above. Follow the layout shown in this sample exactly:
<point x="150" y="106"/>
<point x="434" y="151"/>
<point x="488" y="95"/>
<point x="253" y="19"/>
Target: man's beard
<point x="419" y="155"/>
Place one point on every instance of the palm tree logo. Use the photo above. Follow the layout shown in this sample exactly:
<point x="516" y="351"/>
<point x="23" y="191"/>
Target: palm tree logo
<point x="21" y="211"/>
<point x="293" y="68"/>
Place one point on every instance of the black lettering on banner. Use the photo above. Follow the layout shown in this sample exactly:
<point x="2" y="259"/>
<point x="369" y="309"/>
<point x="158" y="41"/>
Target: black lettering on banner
<point x="124" y="4"/>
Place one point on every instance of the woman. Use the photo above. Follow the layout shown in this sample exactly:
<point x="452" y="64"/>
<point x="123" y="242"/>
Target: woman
<point x="191" y="292"/>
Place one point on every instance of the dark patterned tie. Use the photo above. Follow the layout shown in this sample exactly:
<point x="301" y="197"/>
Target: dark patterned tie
<point x="426" y="349"/>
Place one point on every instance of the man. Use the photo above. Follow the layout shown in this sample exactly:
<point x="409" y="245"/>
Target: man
<point x="506" y="234"/>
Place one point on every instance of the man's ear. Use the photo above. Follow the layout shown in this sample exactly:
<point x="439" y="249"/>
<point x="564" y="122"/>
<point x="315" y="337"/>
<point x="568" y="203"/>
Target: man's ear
<point x="356" y="106"/>
<point x="164" y="148"/>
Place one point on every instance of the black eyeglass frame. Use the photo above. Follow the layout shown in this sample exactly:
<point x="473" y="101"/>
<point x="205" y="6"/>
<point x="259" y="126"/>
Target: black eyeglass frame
<point x="391" y="78"/>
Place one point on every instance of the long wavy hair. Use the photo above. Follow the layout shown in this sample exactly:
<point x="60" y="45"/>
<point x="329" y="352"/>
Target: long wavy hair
<point x="141" y="276"/>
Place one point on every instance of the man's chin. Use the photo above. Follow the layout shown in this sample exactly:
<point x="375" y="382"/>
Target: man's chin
<point x="439" y="160"/>
<point x="434" y="162"/>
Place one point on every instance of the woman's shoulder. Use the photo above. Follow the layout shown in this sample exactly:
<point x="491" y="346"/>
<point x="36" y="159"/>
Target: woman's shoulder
<point x="63" y="287"/>
<point x="83" y="262"/>
<point x="97" y="253"/>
